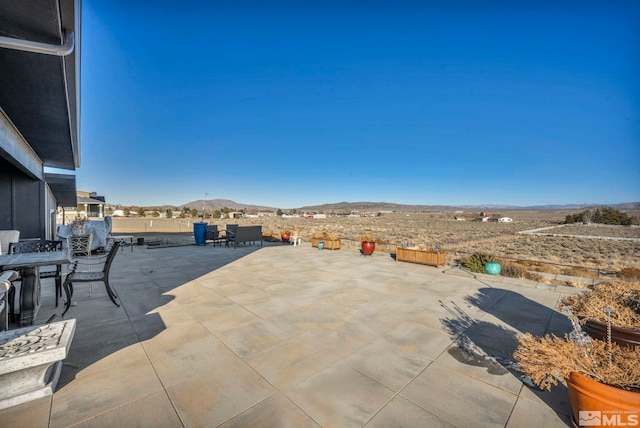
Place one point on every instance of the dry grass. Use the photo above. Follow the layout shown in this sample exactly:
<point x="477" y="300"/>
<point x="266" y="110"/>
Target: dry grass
<point x="457" y="238"/>
<point x="599" y="230"/>
<point x="544" y="359"/>
<point x="630" y="274"/>
<point x="614" y="295"/>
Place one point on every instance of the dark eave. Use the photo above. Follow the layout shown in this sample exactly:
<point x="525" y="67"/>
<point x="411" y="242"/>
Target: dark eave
<point x="63" y="187"/>
<point x="39" y="92"/>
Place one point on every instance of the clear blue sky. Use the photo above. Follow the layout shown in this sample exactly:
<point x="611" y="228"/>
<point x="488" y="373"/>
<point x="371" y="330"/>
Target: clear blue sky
<point x="296" y="103"/>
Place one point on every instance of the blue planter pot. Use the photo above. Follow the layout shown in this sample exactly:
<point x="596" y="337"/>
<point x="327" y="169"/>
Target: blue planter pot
<point x="199" y="231"/>
<point x="321" y="245"/>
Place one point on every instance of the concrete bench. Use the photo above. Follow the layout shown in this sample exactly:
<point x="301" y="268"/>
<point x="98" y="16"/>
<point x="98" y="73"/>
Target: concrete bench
<point x="31" y="360"/>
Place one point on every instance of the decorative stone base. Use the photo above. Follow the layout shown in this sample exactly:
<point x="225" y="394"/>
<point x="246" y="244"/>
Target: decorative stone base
<point x="31" y="361"/>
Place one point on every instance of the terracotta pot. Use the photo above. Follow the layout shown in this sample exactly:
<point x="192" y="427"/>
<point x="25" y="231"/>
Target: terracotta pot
<point x="621" y="336"/>
<point x="614" y="406"/>
<point x="285" y="237"/>
<point x="368" y="247"/>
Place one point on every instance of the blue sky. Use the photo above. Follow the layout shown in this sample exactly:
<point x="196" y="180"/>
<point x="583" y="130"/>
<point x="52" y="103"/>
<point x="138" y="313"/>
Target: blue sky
<point x="296" y="103"/>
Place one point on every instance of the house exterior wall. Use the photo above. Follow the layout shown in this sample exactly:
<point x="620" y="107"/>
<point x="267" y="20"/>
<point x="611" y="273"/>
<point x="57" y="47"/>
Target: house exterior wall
<point x="23" y="202"/>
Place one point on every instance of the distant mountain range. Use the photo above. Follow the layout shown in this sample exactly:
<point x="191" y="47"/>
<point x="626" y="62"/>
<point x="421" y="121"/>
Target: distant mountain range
<point x="217" y="204"/>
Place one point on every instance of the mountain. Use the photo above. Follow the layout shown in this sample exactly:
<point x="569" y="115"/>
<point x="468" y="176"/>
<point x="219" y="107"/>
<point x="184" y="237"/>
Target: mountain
<point x="373" y="207"/>
<point x="217" y="204"/>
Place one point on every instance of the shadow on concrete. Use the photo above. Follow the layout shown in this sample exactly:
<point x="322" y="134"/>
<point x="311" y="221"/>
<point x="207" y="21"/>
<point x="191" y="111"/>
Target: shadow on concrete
<point x="483" y="343"/>
<point x="143" y="286"/>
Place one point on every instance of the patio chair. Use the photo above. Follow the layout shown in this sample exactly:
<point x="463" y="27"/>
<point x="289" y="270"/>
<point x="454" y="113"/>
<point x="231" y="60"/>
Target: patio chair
<point x="295" y="238"/>
<point x="102" y="275"/>
<point x="79" y="245"/>
<point x="230" y="232"/>
<point x="37" y="246"/>
<point x="213" y="234"/>
<point x="7" y="237"/>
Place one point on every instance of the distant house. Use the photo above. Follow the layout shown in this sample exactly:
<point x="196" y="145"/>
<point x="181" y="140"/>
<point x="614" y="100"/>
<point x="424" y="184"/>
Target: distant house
<point x="319" y="216"/>
<point x="89" y="204"/>
<point x="505" y="219"/>
<point x="458" y="218"/>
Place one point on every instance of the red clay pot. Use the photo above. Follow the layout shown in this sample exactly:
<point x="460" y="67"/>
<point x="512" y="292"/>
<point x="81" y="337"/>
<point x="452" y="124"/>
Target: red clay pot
<point x="285" y="237"/>
<point x="612" y="405"/>
<point x="368" y="247"/>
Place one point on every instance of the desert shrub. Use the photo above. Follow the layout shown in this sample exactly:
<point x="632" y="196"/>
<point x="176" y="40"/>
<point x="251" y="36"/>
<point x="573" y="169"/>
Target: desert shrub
<point x="326" y="235"/>
<point x="617" y="295"/>
<point x="516" y="270"/>
<point x="630" y="274"/>
<point x="367" y="237"/>
<point x="476" y="262"/>
<point x="513" y="270"/>
<point x="545" y="268"/>
<point x="576" y="271"/>
<point x="544" y="359"/>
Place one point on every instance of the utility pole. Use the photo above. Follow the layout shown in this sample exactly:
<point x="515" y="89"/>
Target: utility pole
<point x="203" y="199"/>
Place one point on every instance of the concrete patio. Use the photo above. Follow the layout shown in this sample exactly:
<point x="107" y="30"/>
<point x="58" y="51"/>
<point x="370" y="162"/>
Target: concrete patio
<point x="283" y="336"/>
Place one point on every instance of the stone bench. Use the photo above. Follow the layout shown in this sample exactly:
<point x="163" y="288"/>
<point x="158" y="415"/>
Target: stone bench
<point x="31" y="360"/>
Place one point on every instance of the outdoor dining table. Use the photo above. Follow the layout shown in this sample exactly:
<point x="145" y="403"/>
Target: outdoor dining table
<point x="29" y="266"/>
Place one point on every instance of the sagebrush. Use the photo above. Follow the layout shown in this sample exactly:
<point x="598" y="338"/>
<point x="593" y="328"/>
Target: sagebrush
<point x="617" y="295"/>
<point x="547" y="359"/>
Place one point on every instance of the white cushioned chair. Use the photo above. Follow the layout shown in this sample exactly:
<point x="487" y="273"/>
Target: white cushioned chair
<point x="7" y="237"/>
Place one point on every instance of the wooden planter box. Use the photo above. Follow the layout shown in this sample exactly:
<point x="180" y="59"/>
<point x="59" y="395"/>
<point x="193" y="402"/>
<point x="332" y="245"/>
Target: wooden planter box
<point x="421" y="256"/>
<point x="328" y="245"/>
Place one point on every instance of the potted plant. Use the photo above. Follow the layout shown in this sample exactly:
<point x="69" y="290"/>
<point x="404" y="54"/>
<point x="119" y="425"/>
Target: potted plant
<point x="420" y="254"/>
<point x="621" y="297"/>
<point x="78" y="225"/>
<point x="317" y="237"/>
<point x="603" y="378"/>
<point x="285" y="234"/>
<point x="331" y="240"/>
<point x="368" y="243"/>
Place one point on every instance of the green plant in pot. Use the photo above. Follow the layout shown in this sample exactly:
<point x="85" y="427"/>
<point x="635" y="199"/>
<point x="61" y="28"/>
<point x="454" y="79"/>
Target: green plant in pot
<point x="368" y="244"/>
<point x="601" y="376"/>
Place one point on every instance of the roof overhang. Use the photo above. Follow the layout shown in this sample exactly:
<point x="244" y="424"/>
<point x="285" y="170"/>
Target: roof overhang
<point x="89" y="201"/>
<point x="40" y="92"/>
<point x="63" y="187"/>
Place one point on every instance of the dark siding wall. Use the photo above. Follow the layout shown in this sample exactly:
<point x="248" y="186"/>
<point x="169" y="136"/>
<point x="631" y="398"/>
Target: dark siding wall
<point x="21" y="202"/>
<point x="5" y="194"/>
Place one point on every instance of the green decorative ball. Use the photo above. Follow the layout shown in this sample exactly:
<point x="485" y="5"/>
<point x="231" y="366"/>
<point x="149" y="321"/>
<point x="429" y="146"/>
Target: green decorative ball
<point x="493" y="268"/>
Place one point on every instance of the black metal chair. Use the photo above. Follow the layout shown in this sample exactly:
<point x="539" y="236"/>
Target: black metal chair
<point x="230" y="232"/>
<point x="37" y="246"/>
<point x="212" y="233"/>
<point x="102" y="275"/>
